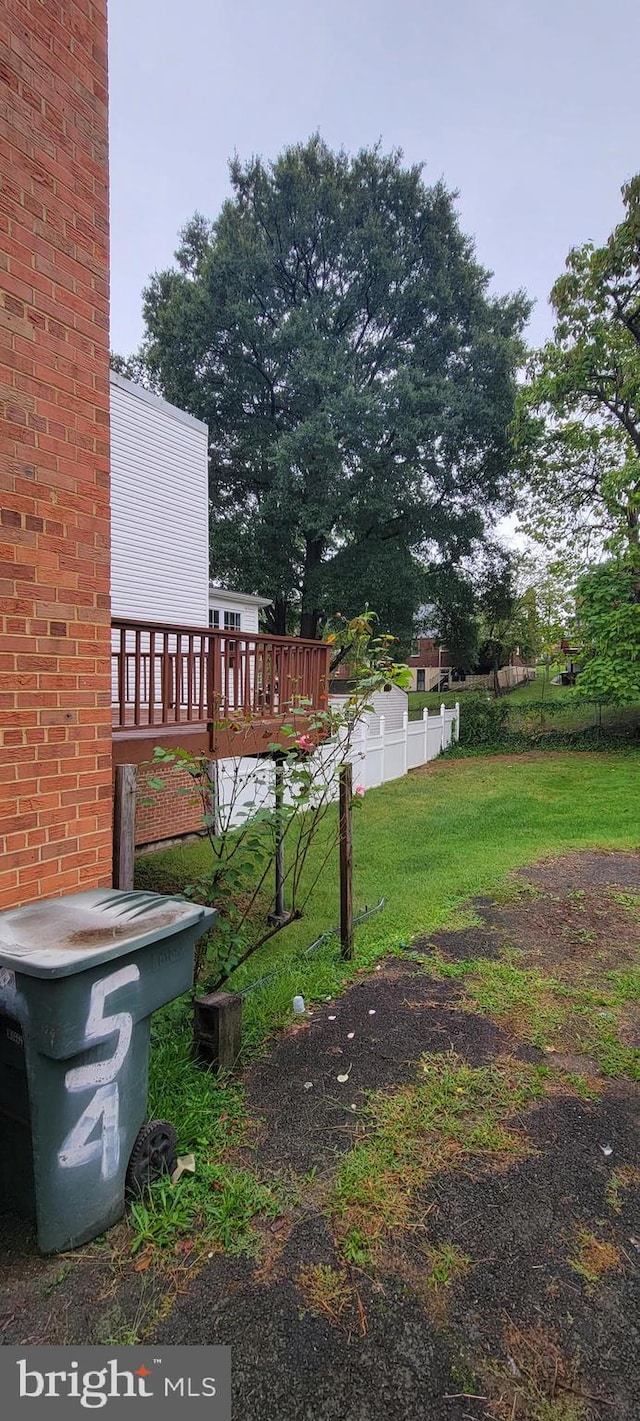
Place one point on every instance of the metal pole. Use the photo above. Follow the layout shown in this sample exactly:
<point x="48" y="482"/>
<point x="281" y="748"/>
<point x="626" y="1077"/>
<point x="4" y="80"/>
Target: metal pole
<point x="280" y="910"/>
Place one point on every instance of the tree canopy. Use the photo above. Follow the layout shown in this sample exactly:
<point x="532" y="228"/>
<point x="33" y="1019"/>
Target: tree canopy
<point x="577" y="432"/>
<point x="608" y="607"/>
<point x="577" y="426"/>
<point x="335" y="331"/>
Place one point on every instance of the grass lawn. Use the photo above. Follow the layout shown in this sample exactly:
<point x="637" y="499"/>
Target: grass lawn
<point x="427" y="843"/>
<point x="561" y="712"/>
<point x="431" y="701"/>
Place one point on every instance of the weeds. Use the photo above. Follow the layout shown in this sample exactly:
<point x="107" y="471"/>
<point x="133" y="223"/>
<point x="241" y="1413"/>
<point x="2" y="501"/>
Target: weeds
<point x="536" y="1382"/>
<point x="445" y="1263"/>
<point x="161" y="1217"/>
<point x="553" y="1015"/>
<point x="524" y="1003"/>
<point x="326" y="1291"/>
<point x="218" y="1208"/>
<point x="627" y="1177"/>
<point x="593" y="1257"/>
<point x="455" y="1112"/>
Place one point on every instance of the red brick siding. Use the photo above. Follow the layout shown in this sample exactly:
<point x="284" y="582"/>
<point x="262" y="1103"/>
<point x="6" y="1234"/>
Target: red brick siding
<point x="55" y="760"/>
<point x="429" y="655"/>
<point x="169" y="812"/>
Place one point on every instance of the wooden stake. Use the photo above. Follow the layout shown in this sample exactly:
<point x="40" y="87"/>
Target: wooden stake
<point x="214" y="808"/>
<point x="218" y="1029"/>
<point x="346" y="862"/>
<point x="124" y="826"/>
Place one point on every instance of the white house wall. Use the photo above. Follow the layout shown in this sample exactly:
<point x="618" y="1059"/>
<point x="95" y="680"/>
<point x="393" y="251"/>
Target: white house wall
<point x="248" y="613"/>
<point x="159" y="510"/>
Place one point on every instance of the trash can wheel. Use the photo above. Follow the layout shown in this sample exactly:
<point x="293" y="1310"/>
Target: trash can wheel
<point x="154" y="1153"/>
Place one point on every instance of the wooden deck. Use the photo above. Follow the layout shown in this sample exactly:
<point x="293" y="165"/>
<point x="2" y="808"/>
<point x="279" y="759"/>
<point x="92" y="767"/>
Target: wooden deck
<point x="212" y="692"/>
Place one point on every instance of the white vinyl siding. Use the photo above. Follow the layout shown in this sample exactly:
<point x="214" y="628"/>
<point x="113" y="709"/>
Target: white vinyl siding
<point x="159" y="510"/>
<point x="247" y="612"/>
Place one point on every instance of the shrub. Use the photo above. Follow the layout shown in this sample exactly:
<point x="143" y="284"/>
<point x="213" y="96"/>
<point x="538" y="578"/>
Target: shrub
<point x="483" y="719"/>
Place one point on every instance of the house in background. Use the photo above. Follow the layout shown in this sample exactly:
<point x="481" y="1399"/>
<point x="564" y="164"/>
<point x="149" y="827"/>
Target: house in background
<point x="235" y="611"/>
<point x="431" y="667"/>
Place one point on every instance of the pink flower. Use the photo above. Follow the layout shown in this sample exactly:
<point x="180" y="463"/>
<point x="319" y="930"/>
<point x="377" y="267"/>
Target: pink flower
<point x="304" y="742"/>
<point x="360" y="791"/>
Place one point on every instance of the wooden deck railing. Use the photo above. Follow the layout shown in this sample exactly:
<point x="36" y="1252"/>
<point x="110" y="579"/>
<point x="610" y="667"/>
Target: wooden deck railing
<point x="164" y="675"/>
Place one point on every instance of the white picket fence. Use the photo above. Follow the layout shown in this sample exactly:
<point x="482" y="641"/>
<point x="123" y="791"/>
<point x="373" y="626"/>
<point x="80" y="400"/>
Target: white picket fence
<point x="378" y="754"/>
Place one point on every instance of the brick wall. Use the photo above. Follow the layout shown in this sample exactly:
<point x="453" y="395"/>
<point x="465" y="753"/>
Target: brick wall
<point x="167" y="813"/>
<point x="55" y="761"/>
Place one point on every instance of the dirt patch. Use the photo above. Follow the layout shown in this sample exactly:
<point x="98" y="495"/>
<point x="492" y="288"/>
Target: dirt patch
<point x="568" y="872"/>
<point x="294" y="1363"/>
<point x="457" y="946"/>
<point x="85" y="1296"/>
<point x="393" y="1017"/>
<point x="523" y="1227"/>
<point x="579" y="923"/>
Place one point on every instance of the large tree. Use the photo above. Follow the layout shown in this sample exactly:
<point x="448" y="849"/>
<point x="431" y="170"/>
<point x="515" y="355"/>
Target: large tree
<point x="577" y="427"/>
<point x="335" y="331"/>
<point x="577" y="432"/>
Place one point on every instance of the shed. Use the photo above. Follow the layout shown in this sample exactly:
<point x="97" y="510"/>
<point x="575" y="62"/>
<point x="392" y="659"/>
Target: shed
<point x="392" y="704"/>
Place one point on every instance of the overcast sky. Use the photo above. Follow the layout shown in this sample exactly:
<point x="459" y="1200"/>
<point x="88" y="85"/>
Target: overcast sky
<point x="529" y="108"/>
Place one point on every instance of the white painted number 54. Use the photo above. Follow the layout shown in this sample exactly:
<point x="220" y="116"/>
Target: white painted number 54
<point x="103" y="1110"/>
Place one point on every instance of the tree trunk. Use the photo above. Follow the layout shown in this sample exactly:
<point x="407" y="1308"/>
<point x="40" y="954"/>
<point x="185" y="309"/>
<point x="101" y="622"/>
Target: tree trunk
<point x="310" y="614"/>
<point x="309" y="625"/>
<point x="276" y="617"/>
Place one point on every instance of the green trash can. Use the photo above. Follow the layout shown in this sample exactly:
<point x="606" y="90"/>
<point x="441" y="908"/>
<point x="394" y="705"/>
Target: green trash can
<point x="80" y="977"/>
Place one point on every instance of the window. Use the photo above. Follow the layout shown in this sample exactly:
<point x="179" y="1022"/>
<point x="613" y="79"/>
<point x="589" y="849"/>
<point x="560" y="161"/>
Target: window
<point x="420" y="681"/>
<point x="214" y="618"/>
<point x="232" y="621"/>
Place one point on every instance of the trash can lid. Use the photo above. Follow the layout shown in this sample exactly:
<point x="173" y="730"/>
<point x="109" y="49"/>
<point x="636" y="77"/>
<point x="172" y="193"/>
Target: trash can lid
<point x="59" y="936"/>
